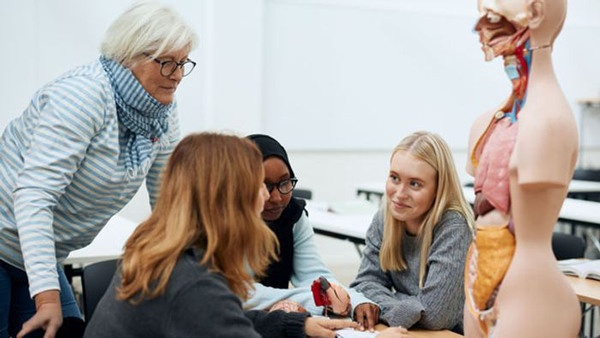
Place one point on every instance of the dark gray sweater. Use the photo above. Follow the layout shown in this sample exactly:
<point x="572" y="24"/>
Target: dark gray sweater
<point x="197" y="303"/>
<point x="439" y="304"/>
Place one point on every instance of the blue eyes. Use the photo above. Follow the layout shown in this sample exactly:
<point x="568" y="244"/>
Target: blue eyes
<point x="413" y="184"/>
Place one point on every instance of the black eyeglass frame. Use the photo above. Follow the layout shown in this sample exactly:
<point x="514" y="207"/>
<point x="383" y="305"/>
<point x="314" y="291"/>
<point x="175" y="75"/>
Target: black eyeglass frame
<point x="179" y="65"/>
<point x="281" y="185"/>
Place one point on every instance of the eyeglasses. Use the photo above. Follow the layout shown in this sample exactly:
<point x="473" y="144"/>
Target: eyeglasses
<point x="285" y="187"/>
<point x="167" y="68"/>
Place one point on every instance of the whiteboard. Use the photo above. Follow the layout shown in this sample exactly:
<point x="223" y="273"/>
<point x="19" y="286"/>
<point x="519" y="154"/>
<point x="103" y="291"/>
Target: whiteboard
<point x="349" y="77"/>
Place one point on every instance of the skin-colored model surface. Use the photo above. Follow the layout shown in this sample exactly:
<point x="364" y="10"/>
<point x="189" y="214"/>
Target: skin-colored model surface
<point x="522" y="157"/>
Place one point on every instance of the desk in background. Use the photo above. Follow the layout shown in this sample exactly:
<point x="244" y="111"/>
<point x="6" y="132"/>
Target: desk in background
<point x="372" y="189"/>
<point x="111" y="239"/>
<point x="352" y="224"/>
<point x="573" y="211"/>
<point x="588" y="105"/>
<point x="579" y="187"/>
<point x="587" y="290"/>
<point x="108" y="244"/>
<point x="352" y="221"/>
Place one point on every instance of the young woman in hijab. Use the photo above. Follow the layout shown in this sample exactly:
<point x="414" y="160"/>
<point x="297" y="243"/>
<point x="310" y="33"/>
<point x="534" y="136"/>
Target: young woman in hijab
<point x="298" y="261"/>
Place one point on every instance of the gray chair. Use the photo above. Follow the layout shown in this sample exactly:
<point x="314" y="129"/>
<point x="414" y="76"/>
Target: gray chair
<point x="95" y="279"/>
<point x="302" y="193"/>
<point x="586" y="175"/>
<point x="567" y="246"/>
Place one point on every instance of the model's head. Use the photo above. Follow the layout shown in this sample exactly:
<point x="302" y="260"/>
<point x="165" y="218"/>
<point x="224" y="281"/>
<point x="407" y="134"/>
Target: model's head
<point x="504" y="25"/>
<point x="422" y="184"/>
<point x="211" y="198"/>
<point x="279" y="176"/>
<point x="154" y="42"/>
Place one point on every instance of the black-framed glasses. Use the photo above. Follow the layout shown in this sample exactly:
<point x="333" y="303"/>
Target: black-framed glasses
<point x="167" y="68"/>
<point x="285" y="186"/>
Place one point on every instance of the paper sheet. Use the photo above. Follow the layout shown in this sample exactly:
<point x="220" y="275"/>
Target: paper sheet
<point x="350" y="333"/>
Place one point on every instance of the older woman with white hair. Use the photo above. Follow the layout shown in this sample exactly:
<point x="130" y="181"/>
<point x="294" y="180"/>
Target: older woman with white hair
<point x="79" y="153"/>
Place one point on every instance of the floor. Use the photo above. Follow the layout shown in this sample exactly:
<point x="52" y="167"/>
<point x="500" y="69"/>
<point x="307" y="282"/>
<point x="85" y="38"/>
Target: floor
<point x="340" y="257"/>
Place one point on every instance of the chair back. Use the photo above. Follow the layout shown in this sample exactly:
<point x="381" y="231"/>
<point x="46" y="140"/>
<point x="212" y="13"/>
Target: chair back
<point x="302" y="193"/>
<point x="567" y="246"/>
<point x="95" y="279"/>
<point x="587" y="175"/>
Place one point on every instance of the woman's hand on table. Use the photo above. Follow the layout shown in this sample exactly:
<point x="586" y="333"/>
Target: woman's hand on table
<point x="367" y="315"/>
<point x="323" y="327"/>
<point x="288" y="306"/>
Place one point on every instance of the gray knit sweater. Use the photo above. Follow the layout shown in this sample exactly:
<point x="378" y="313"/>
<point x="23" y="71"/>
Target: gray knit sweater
<point x="439" y="304"/>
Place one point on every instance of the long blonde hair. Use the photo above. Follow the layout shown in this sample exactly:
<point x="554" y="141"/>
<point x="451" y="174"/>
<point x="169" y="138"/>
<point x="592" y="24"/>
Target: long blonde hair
<point x="208" y="199"/>
<point x="432" y="149"/>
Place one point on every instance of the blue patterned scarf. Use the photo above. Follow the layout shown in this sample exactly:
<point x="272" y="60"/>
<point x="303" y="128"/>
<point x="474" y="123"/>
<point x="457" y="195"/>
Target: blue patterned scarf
<point x="145" y="119"/>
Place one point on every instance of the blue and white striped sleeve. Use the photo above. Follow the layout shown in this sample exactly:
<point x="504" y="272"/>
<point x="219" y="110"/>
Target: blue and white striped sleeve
<point x="71" y="112"/>
<point x="153" y="178"/>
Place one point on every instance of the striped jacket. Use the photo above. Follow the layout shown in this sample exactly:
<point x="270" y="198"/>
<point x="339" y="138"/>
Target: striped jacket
<point x="62" y="173"/>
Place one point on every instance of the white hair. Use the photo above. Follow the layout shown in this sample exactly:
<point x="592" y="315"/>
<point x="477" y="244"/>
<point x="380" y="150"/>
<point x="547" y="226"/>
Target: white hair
<point x="147" y="27"/>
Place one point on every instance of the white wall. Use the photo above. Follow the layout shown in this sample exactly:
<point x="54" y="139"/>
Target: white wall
<point x="334" y="80"/>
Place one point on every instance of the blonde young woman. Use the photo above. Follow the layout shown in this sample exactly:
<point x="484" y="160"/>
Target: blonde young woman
<point x="185" y="269"/>
<point x="416" y="245"/>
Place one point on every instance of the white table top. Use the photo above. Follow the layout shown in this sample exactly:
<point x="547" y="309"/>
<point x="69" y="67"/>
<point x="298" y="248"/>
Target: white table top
<point x="108" y="244"/>
<point x="350" y="218"/>
<point x="574" y="210"/>
<point x="576" y="186"/>
<point x="579" y="186"/>
<point x="353" y="218"/>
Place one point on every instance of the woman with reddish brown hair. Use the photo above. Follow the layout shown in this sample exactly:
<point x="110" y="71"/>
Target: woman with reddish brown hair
<point x="186" y="268"/>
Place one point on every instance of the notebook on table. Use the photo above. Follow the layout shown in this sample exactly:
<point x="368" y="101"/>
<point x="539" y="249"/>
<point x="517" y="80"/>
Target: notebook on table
<point x="580" y="268"/>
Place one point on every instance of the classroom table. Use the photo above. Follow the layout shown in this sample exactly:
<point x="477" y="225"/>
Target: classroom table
<point x="576" y="187"/>
<point x="588" y="106"/>
<point x="419" y="333"/>
<point x="582" y="187"/>
<point x="433" y="334"/>
<point x="348" y="220"/>
<point x="351" y="221"/>
<point x="573" y="211"/>
<point x="110" y="240"/>
<point x="353" y="226"/>
<point x="108" y="244"/>
<point x="587" y="290"/>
